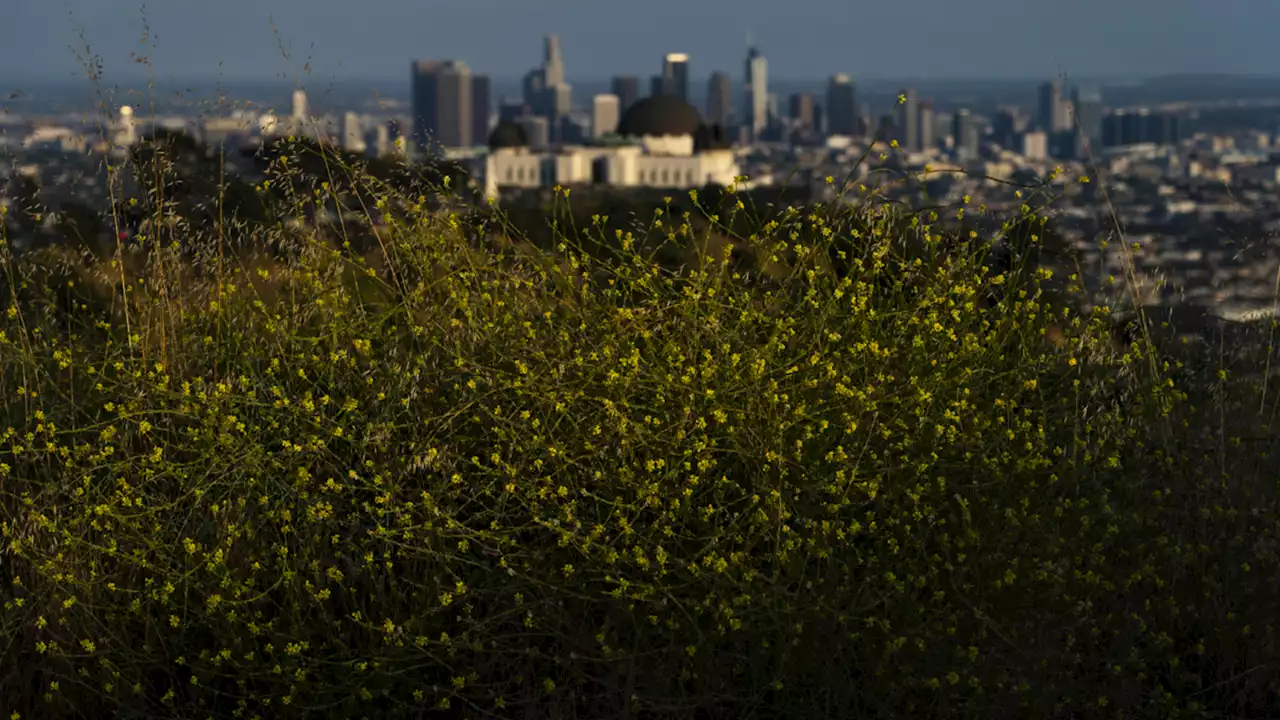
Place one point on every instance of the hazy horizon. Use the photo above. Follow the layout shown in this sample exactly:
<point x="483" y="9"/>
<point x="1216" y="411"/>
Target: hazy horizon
<point x="933" y="40"/>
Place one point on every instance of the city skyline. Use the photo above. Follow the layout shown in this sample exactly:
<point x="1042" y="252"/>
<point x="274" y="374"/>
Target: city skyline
<point x="994" y="39"/>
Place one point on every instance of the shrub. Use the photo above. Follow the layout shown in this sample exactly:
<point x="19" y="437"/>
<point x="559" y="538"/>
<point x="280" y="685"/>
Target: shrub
<point x="562" y="484"/>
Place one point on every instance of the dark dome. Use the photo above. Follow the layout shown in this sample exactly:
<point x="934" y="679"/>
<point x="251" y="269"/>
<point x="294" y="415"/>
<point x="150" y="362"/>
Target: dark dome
<point x="711" y="137"/>
<point x="660" y="115"/>
<point x="508" y="135"/>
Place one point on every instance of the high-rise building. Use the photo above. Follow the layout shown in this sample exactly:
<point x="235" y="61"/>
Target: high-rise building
<point x="627" y="88"/>
<point x="756" y="111"/>
<point x="531" y="87"/>
<point x="537" y="130"/>
<point x="720" y="99"/>
<point x="1087" y="118"/>
<point x="657" y="85"/>
<point x="1054" y="108"/>
<point x="928" y="126"/>
<point x="441" y="105"/>
<point x="801" y="109"/>
<point x="352" y="133"/>
<point x="301" y="112"/>
<point x="908" y="121"/>
<point x="481" y="109"/>
<point x="552" y="61"/>
<point x="675" y="75"/>
<point x="606" y="111"/>
<point x="964" y="132"/>
<point x="841" y="106"/>
<point x="128" y="126"/>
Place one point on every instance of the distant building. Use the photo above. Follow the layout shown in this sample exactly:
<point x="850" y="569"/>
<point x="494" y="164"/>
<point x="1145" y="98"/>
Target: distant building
<point x="720" y="99"/>
<point x="908" y="121"/>
<point x="301" y="111"/>
<point x="537" y="130"/>
<point x="352" y="133"/>
<point x="605" y="114"/>
<point x="481" y="108"/>
<point x="442" y="105"/>
<point x="928" y="126"/>
<point x="1087" y="119"/>
<point x="675" y="75"/>
<point x="964" y="132"/>
<point x="841" y="106"/>
<point x="1054" y="108"/>
<point x="802" y="112"/>
<point x="128" y="127"/>
<point x="756" y="109"/>
<point x="627" y="88"/>
<point x="664" y="144"/>
<point x="1035" y="145"/>
<point x="657" y="85"/>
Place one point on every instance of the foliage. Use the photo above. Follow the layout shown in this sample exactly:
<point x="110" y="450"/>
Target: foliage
<point x="444" y="477"/>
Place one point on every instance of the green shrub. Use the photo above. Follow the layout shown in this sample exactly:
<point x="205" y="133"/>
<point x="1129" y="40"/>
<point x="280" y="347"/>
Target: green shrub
<point x="583" y="485"/>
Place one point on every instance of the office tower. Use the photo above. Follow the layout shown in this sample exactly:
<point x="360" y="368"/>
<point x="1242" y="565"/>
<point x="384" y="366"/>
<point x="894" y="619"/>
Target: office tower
<point x="552" y="62"/>
<point x="531" y="86"/>
<point x="1035" y="145"/>
<point x="128" y="126"/>
<point x="908" y="121"/>
<point x="928" y="126"/>
<point x="1008" y="127"/>
<point x="606" y="111"/>
<point x="756" y="112"/>
<point x="377" y="140"/>
<point x="301" y="111"/>
<point x="842" y="106"/>
<point x="802" y="112"/>
<point x="537" y="130"/>
<point x="352" y="134"/>
<point x="657" y="85"/>
<point x="627" y="88"/>
<point x="441" y="105"/>
<point x="720" y="99"/>
<point x="481" y="109"/>
<point x="1087" y="117"/>
<point x="675" y="75"/>
<point x="512" y="111"/>
<point x="1054" y="109"/>
<point x="965" y="133"/>
<point x="1133" y="127"/>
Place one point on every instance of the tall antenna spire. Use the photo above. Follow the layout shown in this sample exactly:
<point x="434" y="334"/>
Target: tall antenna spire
<point x="751" y="39"/>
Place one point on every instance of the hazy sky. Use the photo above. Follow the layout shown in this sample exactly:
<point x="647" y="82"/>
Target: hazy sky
<point x="801" y="38"/>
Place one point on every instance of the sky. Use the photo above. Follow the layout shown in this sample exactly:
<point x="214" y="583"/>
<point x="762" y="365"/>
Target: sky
<point x="803" y="39"/>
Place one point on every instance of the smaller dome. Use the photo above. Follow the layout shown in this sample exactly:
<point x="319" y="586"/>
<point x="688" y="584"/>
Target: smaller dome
<point x="508" y="135"/>
<point x="659" y="115"/>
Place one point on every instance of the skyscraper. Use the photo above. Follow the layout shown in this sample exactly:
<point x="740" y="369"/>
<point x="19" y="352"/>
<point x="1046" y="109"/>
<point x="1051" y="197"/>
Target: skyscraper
<point x="928" y="126"/>
<point x="301" y="111"/>
<point x="481" y="109"/>
<point x="627" y="88"/>
<point x="1087" y="116"/>
<point x="657" y="85"/>
<point x="1054" y="109"/>
<point x="908" y="121"/>
<point x="675" y="75"/>
<point x="545" y="90"/>
<point x="352" y="133"/>
<point x="965" y="133"/>
<point x="802" y="111"/>
<point x="756" y="113"/>
<point x="720" y="99"/>
<point x="605" y="113"/>
<point x="841" y="106"/>
<point x="552" y="61"/>
<point x="442" y="105"/>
